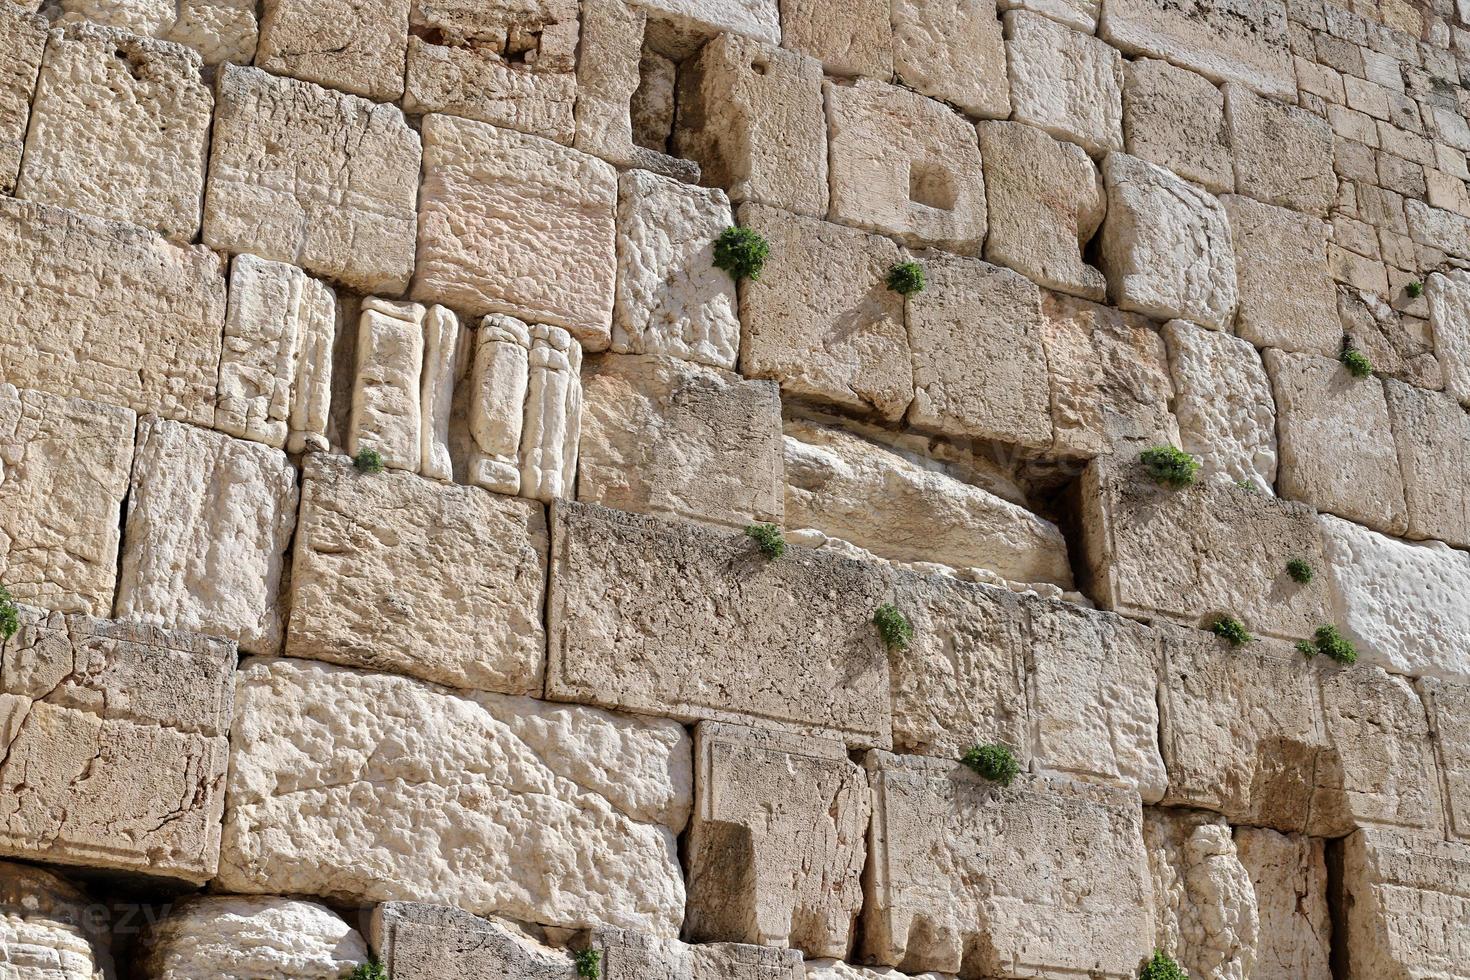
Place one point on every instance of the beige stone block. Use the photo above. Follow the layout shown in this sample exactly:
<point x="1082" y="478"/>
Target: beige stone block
<point x="1399" y="344"/>
<point x="952" y="52"/>
<point x="1176" y="119"/>
<point x="342" y="44"/>
<point x="116" y="738"/>
<point x="1449" y="318"/>
<point x="905" y="166"/>
<point x="1283" y="154"/>
<point x="319" y="179"/>
<point x="848" y="38"/>
<point x="1226" y="40"/>
<point x="1432" y="435"/>
<point x="1444" y="230"/>
<point x="553" y="421"/>
<point x="756" y="19"/>
<point x="22" y="40"/>
<point x="230" y="936"/>
<point x="499" y="382"/>
<point x="1287" y="299"/>
<point x="387" y="405"/>
<point x="1288" y="873"/>
<point x="1448" y="707"/>
<point x="1205" y="912"/>
<point x="1065" y="82"/>
<point x="632" y="625"/>
<point x="446" y="356"/>
<point x="518" y="225"/>
<point x="1079" y="15"/>
<point x="220" y="30"/>
<point x="46" y="929"/>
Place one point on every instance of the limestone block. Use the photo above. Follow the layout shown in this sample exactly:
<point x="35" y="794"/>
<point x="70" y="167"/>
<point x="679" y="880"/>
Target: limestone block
<point x="387" y="398"/>
<point x="220" y="30"/>
<point x="1205" y="912"/>
<point x="47" y="928"/>
<point x="498" y="386"/>
<point x="1176" y="119"/>
<point x="317" y="178"/>
<point x="905" y="166"/>
<point x="1064" y="82"/>
<point x="1224" y="40"/>
<point x="22" y="40"/>
<point x="208" y="522"/>
<point x="1223" y="403"/>
<point x="509" y="63"/>
<point x="661" y="436"/>
<point x="756" y="19"/>
<point x="829" y="969"/>
<point x="117" y="747"/>
<point x="776" y="845"/>
<point x="979" y="364"/>
<point x="1287" y="299"/>
<point x="397" y="573"/>
<point x="1288" y="873"/>
<point x="108" y="311"/>
<point x="1046" y="876"/>
<point x="229" y="936"/>
<point x="1283" y="154"/>
<point x="1449" y="318"/>
<point x="821" y="319"/>
<point x="445" y="349"/>
<point x="629" y="955"/>
<point x="676" y="619"/>
<point x="1165" y="246"/>
<point x="547" y="813"/>
<point x="311" y="401"/>
<point x="553" y="423"/>
<point x="416" y="941"/>
<point x="346" y="45"/>
<point x="518" y="225"/>
<point x="670" y="297"/>
<point x="1399" y="345"/>
<point x="751" y="116"/>
<point x="954" y="53"/>
<point x="1432" y="435"/>
<point x="848" y="38"/>
<point x="1436" y="228"/>
<point x="1337" y="450"/>
<point x="1448" y="706"/>
<point x="64" y="466"/>
<point x="902" y="510"/>
<point x="1109" y="379"/>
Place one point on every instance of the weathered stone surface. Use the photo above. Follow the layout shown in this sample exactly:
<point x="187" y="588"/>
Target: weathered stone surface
<point x="1045" y="876"/>
<point x="1046" y="201"/>
<point x="952" y="52"/>
<point x="108" y="311"/>
<point x="313" y="177"/>
<point x="518" y="225"/>
<point x="1283" y="154"/>
<point x="1432" y="434"/>
<point x="905" y="166"/>
<point x="628" y="955"/>
<point x="1065" y="82"/>
<point x="848" y="38"/>
<point x="1448" y="707"/>
<point x="1288" y="875"/>
<point x="387" y="400"/>
<point x="116" y="737"/>
<point x="416" y="941"/>
<point x="397" y="573"/>
<point x="352" y="46"/>
<point x="1399" y="345"/>
<point x="64" y="466"/>
<point x="497" y="403"/>
<point x="1176" y="119"/>
<point x="520" y="798"/>
<point x="1449" y="318"/>
<point x="1337" y="449"/>
<point x="220" y="30"/>
<point x="692" y="623"/>
<point x="829" y="969"/>
<point x="753" y="18"/>
<point x="208" y="522"/>
<point x="1165" y="245"/>
<point x="1224" y="40"/>
<point x="1438" y="228"/>
<point x="1287" y="299"/>
<point x="228" y="936"/>
<point x="1205" y="913"/>
<point x="446" y="346"/>
<point x="22" y="39"/>
<point x="553" y="422"/>
<point x="48" y="928"/>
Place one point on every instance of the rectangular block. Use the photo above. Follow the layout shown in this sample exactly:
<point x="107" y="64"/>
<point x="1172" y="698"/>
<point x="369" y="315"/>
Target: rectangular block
<point x="348" y="45"/>
<point x="1448" y="707"/>
<point x="848" y="38"/>
<point x="753" y="18"/>
<point x="552" y="430"/>
<point x="220" y="30"/>
<point x="387" y="397"/>
<point x="1176" y="119"/>
<point x="1065" y="82"/>
<point x="1287" y="297"/>
<point x="1288" y="873"/>
<point x="22" y="40"/>
<point x="1283" y="154"/>
<point x="954" y="53"/>
<point x="1224" y="40"/>
<point x="1449" y="318"/>
<point x="1432" y="435"/>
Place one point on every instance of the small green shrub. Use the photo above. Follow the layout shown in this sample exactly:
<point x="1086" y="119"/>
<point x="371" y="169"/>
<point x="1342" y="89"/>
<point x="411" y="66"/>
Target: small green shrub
<point x="1306" y="648"/>
<point x="1232" y="631"/>
<point x="1247" y="486"/>
<point x="1354" y="360"/>
<point x="368" y="461"/>
<point x="371" y="970"/>
<point x="1300" y="570"/>
<point x="907" y="278"/>
<point x="893" y="626"/>
<point x="1333" y="644"/>
<point x="589" y="964"/>
<point x="1169" y="466"/>
<point x="9" y="614"/>
<point x="1162" y="967"/>
<point x="768" y="536"/>
<point x="742" y="252"/>
<point x="1414" y="289"/>
<point x="995" y="762"/>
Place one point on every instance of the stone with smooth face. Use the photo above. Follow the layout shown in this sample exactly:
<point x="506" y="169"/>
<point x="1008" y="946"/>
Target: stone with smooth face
<point x="706" y="613"/>
<point x="320" y="179"/>
<point x="445" y="354"/>
<point x="848" y="38"/>
<point x="1448" y="707"/>
<point x="1283" y="154"/>
<point x="22" y="39"/>
<point x="1288" y="874"/>
<point x="1287" y="299"/>
<point x="46" y="931"/>
<point x="1449" y="318"/>
<point x="1432" y="434"/>
<point x="116" y="737"/>
<point x="342" y="44"/>
<point x="1205" y="912"/>
<point x="230" y="936"/>
<point x="498" y="385"/>
<point x="387" y="406"/>
<point x="1224" y="40"/>
<point x="553" y="422"/>
<point x="520" y="797"/>
<point x="1438" y="228"/>
<point x="1064" y="82"/>
<point x="397" y="573"/>
<point x="952" y="52"/>
<point x="220" y="30"/>
<point x="1176" y="119"/>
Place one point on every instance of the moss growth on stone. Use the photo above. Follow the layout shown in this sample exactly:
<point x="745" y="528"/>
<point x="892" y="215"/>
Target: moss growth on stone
<point x="1300" y="570"/>
<point x="893" y="626"/>
<point x="742" y="252"/>
<point x="371" y="970"/>
<point x="1414" y="289"/>
<point x="1354" y="360"/>
<point x="368" y="461"/>
<point x="1332" y="643"/>
<point x="589" y="964"/>
<point x="9" y="614"/>
<point x="1161" y="966"/>
<point x="995" y="762"/>
<point x="1232" y="631"/>
<point x="1169" y="466"/>
<point x="770" y="539"/>
<point x="907" y="278"/>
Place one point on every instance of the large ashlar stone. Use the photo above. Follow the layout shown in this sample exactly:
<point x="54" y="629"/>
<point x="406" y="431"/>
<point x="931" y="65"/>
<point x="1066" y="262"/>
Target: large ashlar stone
<point x="676" y="619"/>
<point x="220" y="30"/>
<point x="64" y="466"/>
<point x="902" y="510"/>
<point x="753" y="18"/>
<point x="1165" y="245"/>
<point x="1283" y="154"/>
<point x="49" y="929"/>
<point x="954" y="53"/>
<point x="343" y="44"/>
<point x="1287" y="298"/>
<point x="22" y="41"/>
<point x="777" y="841"/>
<point x="1288" y="875"/>
<point x="1176" y="119"/>
<point x="1194" y="554"/>
<point x="821" y="319"/>
<point x="979" y="364"/>
<point x="518" y="225"/>
<point x="1337" y="448"/>
<point x="904" y="165"/>
<point x="546" y="813"/>
<point x="229" y="936"/>
<point x="320" y="179"/>
<point x="1205" y="912"/>
<point x="1448" y="706"/>
<point x="670" y="297"/>
<point x="1224" y="40"/>
<point x="1065" y="82"/>
<point x="209" y="519"/>
<point x="106" y="310"/>
<point x="387" y="397"/>
<point x="1432" y="434"/>
<point x="1437" y="228"/>
<point x="829" y="969"/>
<point x="1399" y="345"/>
<point x="1044" y="877"/>
<point x="1449" y="319"/>
<point x="751" y="116"/>
<point x="1046" y="201"/>
<point x="397" y="573"/>
<point x="848" y="38"/>
<point x="116" y="739"/>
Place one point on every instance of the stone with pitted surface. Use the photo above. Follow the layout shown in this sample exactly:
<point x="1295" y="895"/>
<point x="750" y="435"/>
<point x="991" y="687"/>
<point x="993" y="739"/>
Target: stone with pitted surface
<point x="230" y="936"/>
<point x="1065" y="82"/>
<point x="47" y="928"/>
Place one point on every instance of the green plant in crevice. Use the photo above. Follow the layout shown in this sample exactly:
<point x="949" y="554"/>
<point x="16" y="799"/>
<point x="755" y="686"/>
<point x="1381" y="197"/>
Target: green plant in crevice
<point x="770" y="539"/>
<point x="9" y="614"/>
<point x="589" y="964"/>
<point x="907" y="278"/>
<point x="1169" y="466"/>
<point x="1247" y="486"/>
<point x="1414" y="289"/>
<point x="893" y="626"/>
<point x="1329" y="642"/>
<point x="371" y="970"/>
<point x="742" y="252"/>
<point x="368" y="461"/>
<point x="1306" y="648"/>
<point x="995" y="762"/>
<point x="1161" y="966"/>
<point x="1300" y="571"/>
<point x="1232" y="631"/>
<point x="1354" y="360"/>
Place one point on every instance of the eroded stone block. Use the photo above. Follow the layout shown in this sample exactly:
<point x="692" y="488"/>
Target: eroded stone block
<point x="1288" y="873"/>
<point x="1224" y="40"/>
<point x="47" y="928"/>
<point x="229" y="936"/>
<point x="446" y="348"/>
<point x="1438" y="228"/>
<point x="1399" y="345"/>
<point x="1449" y="318"/>
<point x="847" y="38"/>
<point x="1065" y="82"/>
<point x="417" y="941"/>
<point x="497" y="403"/>
<point x="1176" y="119"/>
<point x="952" y="52"/>
<point x="387" y="400"/>
<point x="342" y="44"/>
<point x="1283" y="154"/>
<point x="22" y="40"/>
<point x="220" y="30"/>
<point x="1448" y="707"/>
<point x="1287" y="299"/>
<point x="753" y="18"/>
<point x="1432" y="434"/>
<point x="1205" y="912"/>
<point x="552" y="428"/>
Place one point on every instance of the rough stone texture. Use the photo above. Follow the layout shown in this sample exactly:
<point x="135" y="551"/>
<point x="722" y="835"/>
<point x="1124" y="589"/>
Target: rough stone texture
<point x="416" y="941"/>
<point x="1194" y="554"/>
<point x="661" y="436"/>
<point x="1287" y="299"/>
<point x="387" y="398"/>
<point x="1205" y="913"/>
<point x="446" y="350"/>
<point x="64" y="466"/>
<point x="1065" y="82"/>
<point x="226" y="936"/>
<point x="393" y="572"/>
<point x="828" y="969"/>
<point x="822" y="321"/>
<point x="848" y="38"/>
<point x="1046" y="201"/>
<point x="1165" y="245"/>
<point x="753" y="18"/>
<point x="116" y="745"/>
<point x="208" y="522"/>
<point x="777" y="841"/>
<point x="108" y="311"/>
<point x="954" y="53"/>
<point x="518" y="225"/>
<point x="1176" y="119"/>
<point x="691" y="622"/>
<point x="1283" y="154"/>
<point x="1449" y="318"/>
<point x="670" y="297"/>
<point x="1448" y="706"/>
<point x="1224" y="40"/>
<point x="1337" y="450"/>
<point x="1400" y="346"/>
<point x="629" y="955"/>
<point x="1432" y="434"/>
<point x="905" y="166"/>
<point x="220" y="30"/>
<point x="22" y="39"/>
<point x="1437" y="228"/>
<point x="497" y="403"/>
<point x="1222" y="398"/>
<point x="46" y="931"/>
<point x="553" y="421"/>
<point x="342" y="44"/>
<point x="1288" y="875"/>
<point x="313" y="177"/>
<point x="1044" y="877"/>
